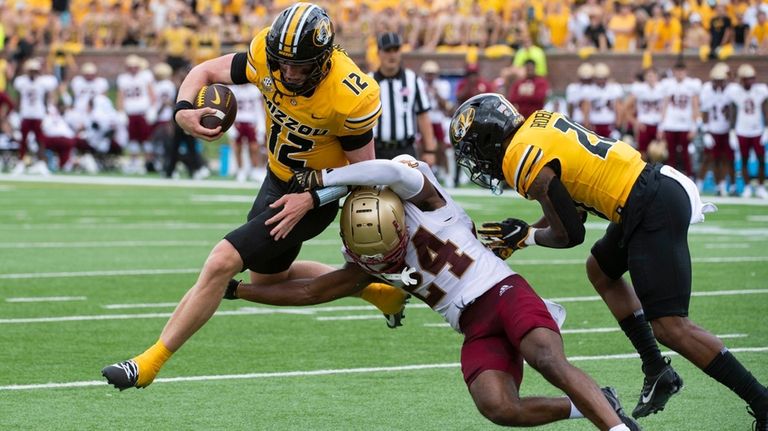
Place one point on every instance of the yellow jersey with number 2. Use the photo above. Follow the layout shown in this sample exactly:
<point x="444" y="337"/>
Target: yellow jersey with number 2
<point x="302" y="132"/>
<point x="598" y="172"/>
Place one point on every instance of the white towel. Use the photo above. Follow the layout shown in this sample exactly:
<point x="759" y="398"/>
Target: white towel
<point x="698" y="208"/>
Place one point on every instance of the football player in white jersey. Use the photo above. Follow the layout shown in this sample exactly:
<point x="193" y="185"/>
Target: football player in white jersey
<point x="680" y="116"/>
<point x="35" y="92"/>
<point x="575" y="93"/>
<point x="604" y="99"/>
<point x="162" y="111"/>
<point x="250" y="129"/>
<point x="87" y="86"/>
<point x="716" y="114"/>
<point x="136" y="97"/>
<point x="426" y="245"/>
<point x="751" y="112"/>
<point x="646" y="97"/>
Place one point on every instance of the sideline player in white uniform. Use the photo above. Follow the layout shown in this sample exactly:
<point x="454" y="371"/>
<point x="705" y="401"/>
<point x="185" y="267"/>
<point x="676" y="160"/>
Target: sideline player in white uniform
<point x="715" y="111"/>
<point x="680" y="116"/>
<point x="604" y="100"/>
<point x="646" y="97"/>
<point x="427" y="246"/>
<point x="165" y="99"/>
<point x="249" y="130"/>
<point x="135" y="97"/>
<point x="576" y="93"/>
<point x="751" y="112"/>
<point x="36" y="92"/>
<point x="87" y="86"/>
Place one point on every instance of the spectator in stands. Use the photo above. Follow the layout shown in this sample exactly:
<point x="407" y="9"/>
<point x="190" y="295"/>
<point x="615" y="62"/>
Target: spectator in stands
<point x="720" y="30"/>
<point x="696" y="36"/>
<point x="529" y="51"/>
<point x="556" y="24"/>
<point x="663" y="31"/>
<point x="529" y="93"/>
<point x="448" y="31"/>
<point x="175" y="42"/>
<point x="206" y="42"/>
<point x="623" y="26"/>
<point x="596" y="34"/>
<point x="757" y="41"/>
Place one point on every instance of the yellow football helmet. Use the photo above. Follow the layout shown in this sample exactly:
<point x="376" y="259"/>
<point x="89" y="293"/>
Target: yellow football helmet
<point x="373" y="229"/>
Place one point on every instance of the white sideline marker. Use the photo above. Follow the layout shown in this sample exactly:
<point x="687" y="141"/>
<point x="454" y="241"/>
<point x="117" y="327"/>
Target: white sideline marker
<point x="47" y="299"/>
<point x="282" y="374"/>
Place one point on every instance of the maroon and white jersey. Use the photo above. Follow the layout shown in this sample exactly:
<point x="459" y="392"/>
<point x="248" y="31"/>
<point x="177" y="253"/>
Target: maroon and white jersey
<point x="452" y="267"/>
<point x="165" y="99"/>
<point x="136" y="92"/>
<point x="33" y="95"/>
<point x="749" y="108"/>
<point x="575" y="93"/>
<point x="603" y="102"/>
<point x="679" y="114"/>
<point x="715" y="102"/>
<point x="648" y="101"/>
<point x="250" y="105"/>
<point x="83" y="90"/>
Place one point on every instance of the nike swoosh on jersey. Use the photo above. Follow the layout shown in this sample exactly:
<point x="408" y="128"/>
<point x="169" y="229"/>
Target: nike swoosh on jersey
<point x="217" y="99"/>
<point x="514" y="232"/>
<point x="650" y="394"/>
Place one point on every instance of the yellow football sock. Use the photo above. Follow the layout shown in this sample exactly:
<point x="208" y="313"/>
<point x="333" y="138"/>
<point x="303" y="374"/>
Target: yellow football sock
<point x="388" y="299"/>
<point x="150" y="363"/>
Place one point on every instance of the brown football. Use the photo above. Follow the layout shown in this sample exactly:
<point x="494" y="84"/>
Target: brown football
<point x="220" y="98"/>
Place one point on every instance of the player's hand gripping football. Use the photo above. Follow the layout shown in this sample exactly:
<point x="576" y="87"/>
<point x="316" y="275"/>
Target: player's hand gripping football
<point x="505" y="237"/>
<point x="305" y="180"/>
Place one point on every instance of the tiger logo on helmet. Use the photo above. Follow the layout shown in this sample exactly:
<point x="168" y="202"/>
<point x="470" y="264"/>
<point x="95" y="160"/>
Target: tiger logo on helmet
<point x="301" y="35"/>
<point x="373" y="229"/>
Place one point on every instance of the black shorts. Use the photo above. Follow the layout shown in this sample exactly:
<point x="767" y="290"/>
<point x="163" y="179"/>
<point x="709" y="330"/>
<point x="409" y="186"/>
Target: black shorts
<point x="259" y="251"/>
<point x="654" y="249"/>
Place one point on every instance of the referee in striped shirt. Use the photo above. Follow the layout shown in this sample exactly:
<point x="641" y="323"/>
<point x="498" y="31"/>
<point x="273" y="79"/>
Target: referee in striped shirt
<point x="404" y="106"/>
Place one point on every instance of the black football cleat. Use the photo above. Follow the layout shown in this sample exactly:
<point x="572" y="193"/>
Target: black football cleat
<point x="657" y="390"/>
<point x="761" y="420"/>
<point x="613" y="400"/>
<point x="122" y="375"/>
<point x="395" y="320"/>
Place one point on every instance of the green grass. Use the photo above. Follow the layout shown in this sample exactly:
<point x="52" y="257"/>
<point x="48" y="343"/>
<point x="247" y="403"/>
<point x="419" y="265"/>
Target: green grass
<point x="50" y="228"/>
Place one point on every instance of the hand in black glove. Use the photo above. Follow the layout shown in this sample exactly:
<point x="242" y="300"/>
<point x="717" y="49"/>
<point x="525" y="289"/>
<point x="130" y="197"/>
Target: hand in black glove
<point x="505" y="237"/>
<point x="305" y="180"/>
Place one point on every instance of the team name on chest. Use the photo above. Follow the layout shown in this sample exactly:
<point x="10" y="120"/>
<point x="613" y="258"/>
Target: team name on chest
<point x="290" y="123"/>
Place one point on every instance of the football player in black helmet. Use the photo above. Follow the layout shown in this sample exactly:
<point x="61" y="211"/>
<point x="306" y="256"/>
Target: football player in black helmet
<point x="479" y="140"/>
<point x="321" y="109"/>
<point x="299" y="48"/>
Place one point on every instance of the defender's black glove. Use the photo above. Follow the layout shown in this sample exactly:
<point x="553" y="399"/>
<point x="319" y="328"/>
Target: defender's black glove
<point x="505" y="237"/>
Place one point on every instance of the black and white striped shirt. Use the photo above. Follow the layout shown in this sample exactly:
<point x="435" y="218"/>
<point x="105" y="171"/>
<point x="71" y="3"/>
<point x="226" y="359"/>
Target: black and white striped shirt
<point x="403" y="97"/>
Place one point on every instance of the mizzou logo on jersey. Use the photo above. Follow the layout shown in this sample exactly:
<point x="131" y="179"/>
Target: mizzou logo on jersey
<point x="323" y="33"/>
<point x="291" y="123"/>
<point x="465" y="121"/>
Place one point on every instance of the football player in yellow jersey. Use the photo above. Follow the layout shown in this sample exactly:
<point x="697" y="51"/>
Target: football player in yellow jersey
<point x="569" y="169"/>
<point x="320" y="112"/>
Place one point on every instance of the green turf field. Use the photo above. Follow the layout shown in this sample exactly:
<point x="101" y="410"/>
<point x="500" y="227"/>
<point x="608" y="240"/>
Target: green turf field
<point x="90" y="273"/>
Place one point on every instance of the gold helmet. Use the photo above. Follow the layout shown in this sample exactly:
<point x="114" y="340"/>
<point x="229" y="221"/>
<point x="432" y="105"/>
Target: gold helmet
<point x="373" y="229"/>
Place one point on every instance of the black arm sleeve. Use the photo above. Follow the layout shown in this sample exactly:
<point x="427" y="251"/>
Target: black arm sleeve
<point x="566" y="210"/>
<point x="354" y="142"/>
<point x="237" y="71"/>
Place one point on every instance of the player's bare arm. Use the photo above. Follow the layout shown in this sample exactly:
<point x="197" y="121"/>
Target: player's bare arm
<point x="217" y="70"/>
<point x="565" y="226"/>
<point x="337" y="284"/>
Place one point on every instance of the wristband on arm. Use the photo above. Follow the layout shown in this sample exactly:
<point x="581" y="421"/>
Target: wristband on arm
<point x="180" y="106"/>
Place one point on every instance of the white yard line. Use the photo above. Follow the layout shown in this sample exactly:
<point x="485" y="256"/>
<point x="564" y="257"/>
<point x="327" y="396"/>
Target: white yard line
<point x="47" y="299"/>
<point x="518" y="262"/>
<point x="103" y="244"/>
<point x="329" y="372"/>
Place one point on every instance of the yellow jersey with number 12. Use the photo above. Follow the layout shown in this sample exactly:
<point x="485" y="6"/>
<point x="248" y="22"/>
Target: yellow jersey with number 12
<point x="302" y="132"/>
<point x="598" y="172"/>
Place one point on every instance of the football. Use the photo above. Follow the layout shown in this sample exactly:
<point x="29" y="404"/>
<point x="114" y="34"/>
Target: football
<point x="220" y="98"/>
